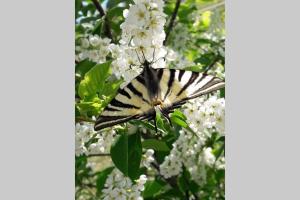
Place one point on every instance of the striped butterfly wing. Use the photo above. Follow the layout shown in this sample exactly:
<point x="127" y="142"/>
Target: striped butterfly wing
<point x="179" y="86"/>
<point x="131" y="102"/>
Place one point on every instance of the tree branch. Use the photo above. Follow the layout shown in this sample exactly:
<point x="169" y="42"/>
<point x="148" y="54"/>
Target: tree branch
<point x="106" y="22"/>
<point x="171" y="24"/>
<point x="99" y="154"/>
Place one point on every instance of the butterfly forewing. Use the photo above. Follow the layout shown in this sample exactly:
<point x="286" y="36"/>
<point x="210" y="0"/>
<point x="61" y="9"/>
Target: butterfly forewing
<point x="131" y="102"/>
<point x="178" y="86"/>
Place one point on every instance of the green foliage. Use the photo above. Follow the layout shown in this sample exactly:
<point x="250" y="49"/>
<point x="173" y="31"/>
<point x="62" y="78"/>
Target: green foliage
<point x="95" y="89"/>
<point x="126" y="153"/>
<point x="156" y="145"/>
<point x="94" y="80"/>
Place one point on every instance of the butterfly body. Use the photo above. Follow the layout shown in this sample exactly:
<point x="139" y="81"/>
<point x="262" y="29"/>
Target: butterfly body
<point x="151" y="78"/>
<point x="156" y="89"/>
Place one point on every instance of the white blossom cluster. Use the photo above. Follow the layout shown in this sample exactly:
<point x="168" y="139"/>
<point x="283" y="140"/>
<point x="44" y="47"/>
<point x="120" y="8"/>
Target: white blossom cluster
<point x="142" y="38"/>
<point x="148" y="158"/>
<point x="206" y="114"/>
<point x="84" y="132"/>
<point x="188" y="151"/>
<point x="119" y="187"/>
<point x="94" y="48"/>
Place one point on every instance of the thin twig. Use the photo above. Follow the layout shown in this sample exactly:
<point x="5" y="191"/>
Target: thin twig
<point x="98" y="154"/>
<point x="106" y="22"/>
<point x="88" y="185"/>
<point x="171" y="24"/>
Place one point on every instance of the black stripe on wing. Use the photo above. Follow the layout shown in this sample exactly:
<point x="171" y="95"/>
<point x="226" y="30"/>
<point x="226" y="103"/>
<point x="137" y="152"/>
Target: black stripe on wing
<point x="108" y="108"/>
<point x="107" y="121"/>
<point x="117" y="103"/>
<point x="124" y="93"/>
<point x="210" y="84"/>
<point x="136" y="92"/>
<point x="170" y="82"/>
<point x="181" y="72"/>
<point x="193" y="77"/>
<point x="214" y="84"/>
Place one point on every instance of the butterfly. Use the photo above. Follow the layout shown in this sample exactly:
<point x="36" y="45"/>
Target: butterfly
<point x="156" y="89"/>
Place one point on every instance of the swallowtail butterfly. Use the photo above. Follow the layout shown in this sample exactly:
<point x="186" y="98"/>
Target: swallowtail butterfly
<point x="156" y="89"/>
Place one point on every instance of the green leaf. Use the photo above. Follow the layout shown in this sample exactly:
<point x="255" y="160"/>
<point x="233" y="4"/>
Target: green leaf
<point x="126" y="154"/>
<point x="88" y="108"/>
<point x="179" y="121"/>
<point x="156" y="145"/>
<point x="219" y="151"/>
<point x="101" y="178"/>
<point x="77" y="7"/>
<point x="98" y="27"/>
<point x="94" y="80"/>
<point x="83" y="67"/>
<point x="179" y="114"/>
<point x="182" y="183"/>
<point x="170" y="194"/>
<point x="152" y="188"/>
<point x="113" y="3"/>
<point x="222" y="92"/>
<point x="205" y="59"/>
<point x="115" y="12"/>
<point x="196" y="68"/>
<point x="146" y="125"/>
<point x="89" y="19"/>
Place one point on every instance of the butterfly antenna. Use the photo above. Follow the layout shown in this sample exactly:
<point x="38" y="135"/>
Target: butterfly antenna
<point x="159" y="59"/>
<point x="138" y="56"/>
<point x="153" y="55"/>
<point x="144" y="55"/>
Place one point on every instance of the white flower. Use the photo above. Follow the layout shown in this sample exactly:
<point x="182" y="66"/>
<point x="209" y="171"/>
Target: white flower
<point x="156" y="24"/>
<point x="188" y="151"/>
<point x="220" y="163"/>
<point x="119" y="194"/>
<point x="208" y="157"/>
<point x="148" y="158"/>
<point x="141" y="182"/>
<point x="93" y="48"/>
<point x="142" y="38"/>
<point x="138" y="14"/>
<point x="207" y="114"/>
<point x="84" y="132"/>
<point x="94" y="40"/>
<point x="84" y="43"/>
<point x="117" y="186"/>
